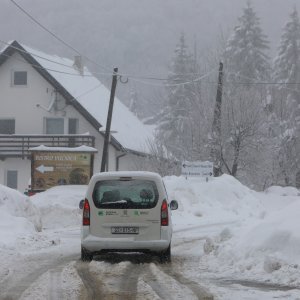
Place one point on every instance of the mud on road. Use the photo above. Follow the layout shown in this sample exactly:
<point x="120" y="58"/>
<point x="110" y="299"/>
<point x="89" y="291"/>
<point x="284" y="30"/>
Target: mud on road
<point x="135" y="276"/>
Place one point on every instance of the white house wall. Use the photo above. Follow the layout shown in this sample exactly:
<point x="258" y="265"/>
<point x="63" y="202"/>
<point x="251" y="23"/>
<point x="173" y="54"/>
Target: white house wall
<point x="20" y="102"/>
<point x="26" y="104"/>
<point x="130" y="162"/>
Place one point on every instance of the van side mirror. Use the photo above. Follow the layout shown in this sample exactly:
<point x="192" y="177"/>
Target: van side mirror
<point x="173" y="205"/>
<point x="81" y="204"/>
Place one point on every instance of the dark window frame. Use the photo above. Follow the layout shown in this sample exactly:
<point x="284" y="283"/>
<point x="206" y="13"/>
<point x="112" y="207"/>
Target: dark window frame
<point x="47" y="129"/>
<point x="20" y="78"/>
<point x="73" y="123"/>
<point x="12" y="179"/>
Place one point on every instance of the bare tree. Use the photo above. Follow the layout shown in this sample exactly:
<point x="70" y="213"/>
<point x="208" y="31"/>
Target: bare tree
<point x="243" y="130"/>
<point x="159" y="160"/>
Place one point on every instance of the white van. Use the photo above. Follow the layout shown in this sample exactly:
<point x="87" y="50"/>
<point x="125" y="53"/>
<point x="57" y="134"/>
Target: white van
<point x="126" y="212"/>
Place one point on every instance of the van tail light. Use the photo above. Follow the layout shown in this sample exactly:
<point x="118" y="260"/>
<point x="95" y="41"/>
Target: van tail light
<point x="86" y="213"/>
<point x="164" y="221"/>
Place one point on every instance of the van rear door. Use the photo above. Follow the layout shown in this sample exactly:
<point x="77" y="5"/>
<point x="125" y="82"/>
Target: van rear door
<point x="126" y="207"/>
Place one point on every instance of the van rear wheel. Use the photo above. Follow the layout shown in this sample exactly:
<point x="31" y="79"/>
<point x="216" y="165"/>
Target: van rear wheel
<point x="85" y="255"/>
<point x="165" y="256"/>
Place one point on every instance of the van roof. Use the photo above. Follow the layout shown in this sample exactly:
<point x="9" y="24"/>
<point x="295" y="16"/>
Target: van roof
<point x="114" y="174"/>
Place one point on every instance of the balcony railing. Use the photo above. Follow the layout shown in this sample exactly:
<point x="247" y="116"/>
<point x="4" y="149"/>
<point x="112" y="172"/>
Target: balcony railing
<point x="12" y="145"/>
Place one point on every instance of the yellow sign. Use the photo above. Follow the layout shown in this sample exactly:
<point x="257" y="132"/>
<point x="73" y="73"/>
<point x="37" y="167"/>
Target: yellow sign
<point x="50" y="169"/>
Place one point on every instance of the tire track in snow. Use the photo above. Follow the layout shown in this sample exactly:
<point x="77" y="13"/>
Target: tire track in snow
<point x="93" y="287"/>
<point x="15" y="285"/>
<point x="259" y="285"/>
<point x="188" y="241"/>
<point x="55" y="289"/>
<point x="129" y="281"/>
<point x="152" y="280"/>
<point x="205" y="226"/>
<point x="197" y="289"/>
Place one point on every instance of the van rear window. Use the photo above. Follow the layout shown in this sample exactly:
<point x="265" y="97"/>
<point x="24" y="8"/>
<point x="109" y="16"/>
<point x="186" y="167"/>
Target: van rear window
<point x="133" y="193"/>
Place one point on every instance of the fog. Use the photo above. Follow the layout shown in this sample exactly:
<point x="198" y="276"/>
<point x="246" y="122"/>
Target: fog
<point x="138" y="36"/>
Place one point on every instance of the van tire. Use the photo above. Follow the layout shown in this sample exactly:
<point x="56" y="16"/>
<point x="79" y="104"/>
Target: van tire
<point x="165" y="256"/>
<point x="85" y="255"/>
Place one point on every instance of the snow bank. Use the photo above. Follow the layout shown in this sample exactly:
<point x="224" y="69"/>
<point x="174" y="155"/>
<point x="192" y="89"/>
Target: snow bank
<point x="218" y="200"/>
<point x="267" y="246"/>
<point x="283" y="191"/>
<point x="278" y="234"/>
<point x="18" y="217"/>
<point x="59" y="206"/>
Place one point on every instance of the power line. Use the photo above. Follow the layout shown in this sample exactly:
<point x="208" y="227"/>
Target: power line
<point x="91" y="75"/>
<point x="87" y="58"/>
<point x="175" y="84"/>
<point x="128" y="75"/>
<point x="47" y="69"/>
<point x="36" y="55"/>
<point x="261" y="83"/>
<point x="87" y="92"/>
<point x="133" y="77"/>
<point x="53" y="34"/>
<point x="141" y="78"/>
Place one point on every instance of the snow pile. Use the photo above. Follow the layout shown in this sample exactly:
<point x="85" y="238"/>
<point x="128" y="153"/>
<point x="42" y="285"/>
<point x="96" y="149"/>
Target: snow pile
<point x="18" y="217"/>
<point x="266" y="245"/>
<point x="261" y="238"/>
<point x="218" y="200"/>
<point x="59" y="206"/>
<point x="283" y="191"/>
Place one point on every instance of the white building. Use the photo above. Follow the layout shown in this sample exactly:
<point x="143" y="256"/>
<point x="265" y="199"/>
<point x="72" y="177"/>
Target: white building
<point x="53" y="101"/>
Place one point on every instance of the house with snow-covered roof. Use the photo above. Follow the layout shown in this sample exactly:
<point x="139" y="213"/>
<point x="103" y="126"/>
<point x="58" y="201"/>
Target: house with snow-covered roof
<point x="54" y="101"/>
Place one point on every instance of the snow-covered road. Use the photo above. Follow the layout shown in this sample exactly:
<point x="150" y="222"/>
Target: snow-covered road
<point x="53" y="273"/>
<point x="229" y="243"/>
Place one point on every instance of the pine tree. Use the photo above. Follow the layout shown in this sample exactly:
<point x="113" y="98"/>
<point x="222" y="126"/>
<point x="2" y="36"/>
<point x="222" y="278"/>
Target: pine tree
<point x="245" y="54"/>
<point x="286" y="100"/>
<point x="245" y="63"/>
<point x="175" y="126"/>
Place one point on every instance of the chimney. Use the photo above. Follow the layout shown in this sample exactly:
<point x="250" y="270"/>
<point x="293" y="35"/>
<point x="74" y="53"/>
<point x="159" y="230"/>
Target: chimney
<point x="78" y="64"/>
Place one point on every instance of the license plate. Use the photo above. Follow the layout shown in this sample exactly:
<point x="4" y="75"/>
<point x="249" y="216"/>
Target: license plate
<point x="124" y="230"/>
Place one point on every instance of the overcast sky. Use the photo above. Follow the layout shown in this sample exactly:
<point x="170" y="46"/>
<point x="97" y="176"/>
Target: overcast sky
<point x="121" y="21"/>
<point x="135" y="35"/>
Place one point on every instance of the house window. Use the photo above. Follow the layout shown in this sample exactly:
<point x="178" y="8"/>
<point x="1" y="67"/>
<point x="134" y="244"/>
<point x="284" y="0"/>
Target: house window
<point x="12" y="179"/>
<point x="7" y="126"/>
<point x="54" y="125"/>
<point x="73" y="129"/>
<point x="20" y="78"/>
<point x="73" y="126"/>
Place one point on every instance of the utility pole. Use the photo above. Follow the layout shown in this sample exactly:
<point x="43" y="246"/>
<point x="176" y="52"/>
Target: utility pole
<point x="216" y="126"/>
<point x="108" y="121"/>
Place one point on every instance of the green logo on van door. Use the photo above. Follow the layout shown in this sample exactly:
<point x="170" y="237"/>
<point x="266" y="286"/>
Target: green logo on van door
<point x="136" y="213"/>
<point x="100" y="213"/>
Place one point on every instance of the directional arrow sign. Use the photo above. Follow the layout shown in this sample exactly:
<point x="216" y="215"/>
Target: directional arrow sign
<point x="42" y="169"/>
<point x="197" y="168"/>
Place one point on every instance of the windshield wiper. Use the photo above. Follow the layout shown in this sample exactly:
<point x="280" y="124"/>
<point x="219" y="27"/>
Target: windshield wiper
<point x="115" y="202"/>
